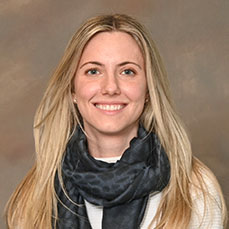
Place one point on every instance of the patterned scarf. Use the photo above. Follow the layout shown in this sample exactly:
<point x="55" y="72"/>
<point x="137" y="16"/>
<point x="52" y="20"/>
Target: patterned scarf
<point x="122" y="188"/>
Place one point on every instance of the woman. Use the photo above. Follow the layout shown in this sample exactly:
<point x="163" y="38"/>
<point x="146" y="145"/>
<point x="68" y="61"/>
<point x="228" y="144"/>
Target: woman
<point x="111" y="151"/>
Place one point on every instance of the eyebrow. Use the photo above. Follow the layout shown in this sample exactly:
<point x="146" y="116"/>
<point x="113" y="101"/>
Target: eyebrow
<point x="129" y="62"/>
<point x="121" y="64"/>
<point x="91" y="62"/>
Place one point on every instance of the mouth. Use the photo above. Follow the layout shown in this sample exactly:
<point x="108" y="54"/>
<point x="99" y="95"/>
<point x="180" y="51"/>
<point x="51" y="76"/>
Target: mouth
<point x="110" y="107"/>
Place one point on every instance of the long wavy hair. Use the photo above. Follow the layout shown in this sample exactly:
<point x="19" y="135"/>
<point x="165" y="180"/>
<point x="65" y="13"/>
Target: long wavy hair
<point x="34" y="203"/>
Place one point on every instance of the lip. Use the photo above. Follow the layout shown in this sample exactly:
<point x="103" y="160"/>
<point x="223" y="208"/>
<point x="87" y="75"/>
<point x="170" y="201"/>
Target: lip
<point x="110" y="107"/>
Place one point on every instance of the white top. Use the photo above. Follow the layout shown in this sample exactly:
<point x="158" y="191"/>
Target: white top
<point x="212" y="217"/>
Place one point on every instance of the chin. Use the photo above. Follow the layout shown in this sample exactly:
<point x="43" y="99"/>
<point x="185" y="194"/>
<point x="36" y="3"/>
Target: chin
<point x="111" y="130"/>
<point x="115" y="128"/>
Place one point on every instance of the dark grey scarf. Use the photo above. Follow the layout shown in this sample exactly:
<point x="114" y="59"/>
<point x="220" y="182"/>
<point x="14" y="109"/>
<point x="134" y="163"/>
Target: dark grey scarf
<point x="122" y="188"/>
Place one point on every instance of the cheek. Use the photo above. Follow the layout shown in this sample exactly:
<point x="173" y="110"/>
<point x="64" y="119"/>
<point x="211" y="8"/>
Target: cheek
<point x="85" y="90"/>
<point x="137" y="93"/>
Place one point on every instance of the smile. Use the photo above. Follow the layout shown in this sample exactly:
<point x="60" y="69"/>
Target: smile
<point x="107" y="107"/>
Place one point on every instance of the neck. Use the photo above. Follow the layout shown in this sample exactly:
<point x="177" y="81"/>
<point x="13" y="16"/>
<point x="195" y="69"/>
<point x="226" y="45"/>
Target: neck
<point x="102" y="145"/>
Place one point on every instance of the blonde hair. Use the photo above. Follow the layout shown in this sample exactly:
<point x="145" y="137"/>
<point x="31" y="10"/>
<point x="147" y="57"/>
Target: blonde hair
<point x="34" y="203"/>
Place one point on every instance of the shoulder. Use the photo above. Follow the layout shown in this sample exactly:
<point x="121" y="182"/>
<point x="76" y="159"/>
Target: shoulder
<point x="207" y="200"/>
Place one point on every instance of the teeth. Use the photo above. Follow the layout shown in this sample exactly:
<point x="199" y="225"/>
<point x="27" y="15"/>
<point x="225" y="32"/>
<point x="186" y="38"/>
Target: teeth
<point x="109" y="107"/>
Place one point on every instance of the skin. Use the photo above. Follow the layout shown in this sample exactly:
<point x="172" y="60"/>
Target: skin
<point x="110" y="91"/>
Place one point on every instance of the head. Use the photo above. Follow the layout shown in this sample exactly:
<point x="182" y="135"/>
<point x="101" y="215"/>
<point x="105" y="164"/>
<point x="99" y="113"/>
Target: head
<point x="110" y="87"/>
<point x="62" y="83"/>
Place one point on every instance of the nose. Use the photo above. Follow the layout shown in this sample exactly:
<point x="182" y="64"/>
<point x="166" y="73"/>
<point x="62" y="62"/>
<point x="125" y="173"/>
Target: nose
<point x="110" y="84"/>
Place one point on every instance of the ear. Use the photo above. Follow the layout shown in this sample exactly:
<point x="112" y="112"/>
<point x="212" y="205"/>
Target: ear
<point x="147" y="97"/>
<point x="74" y="98"/>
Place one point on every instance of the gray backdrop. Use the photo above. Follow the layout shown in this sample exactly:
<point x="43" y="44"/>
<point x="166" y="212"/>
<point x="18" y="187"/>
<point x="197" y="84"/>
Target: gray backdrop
<point x="192" y="37"/>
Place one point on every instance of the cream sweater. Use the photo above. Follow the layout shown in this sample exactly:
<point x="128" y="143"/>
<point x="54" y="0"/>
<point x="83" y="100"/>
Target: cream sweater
<point x="212" y="219"/>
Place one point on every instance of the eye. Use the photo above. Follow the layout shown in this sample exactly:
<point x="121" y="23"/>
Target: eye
<point x="128" y="72"/>
<point x="92" y="72"/>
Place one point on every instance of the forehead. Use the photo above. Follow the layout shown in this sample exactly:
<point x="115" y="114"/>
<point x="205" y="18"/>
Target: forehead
<point x="112" y="45"/>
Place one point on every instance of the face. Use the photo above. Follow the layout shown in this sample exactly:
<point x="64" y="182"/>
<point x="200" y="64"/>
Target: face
<point x="110" y="84"/>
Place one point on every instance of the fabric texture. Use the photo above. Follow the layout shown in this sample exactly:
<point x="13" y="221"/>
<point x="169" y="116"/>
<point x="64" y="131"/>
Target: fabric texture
<point x="210" y="218"/>
<point x="121" y="188"/>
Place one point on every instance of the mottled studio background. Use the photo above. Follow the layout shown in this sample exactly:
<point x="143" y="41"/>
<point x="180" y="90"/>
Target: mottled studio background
<point x="192" y="37"/>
